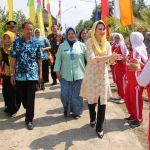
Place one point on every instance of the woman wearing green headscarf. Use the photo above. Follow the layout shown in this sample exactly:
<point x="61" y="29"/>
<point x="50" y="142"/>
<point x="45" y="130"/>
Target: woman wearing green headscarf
<point x="95" y="86"/>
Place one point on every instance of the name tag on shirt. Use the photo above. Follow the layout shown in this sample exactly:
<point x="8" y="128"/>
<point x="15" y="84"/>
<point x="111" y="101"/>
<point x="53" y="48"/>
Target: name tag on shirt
<point x="71" y="56"/>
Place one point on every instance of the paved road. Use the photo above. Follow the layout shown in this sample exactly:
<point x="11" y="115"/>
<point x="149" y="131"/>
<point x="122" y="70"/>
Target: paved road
<point x="55" y="132"/>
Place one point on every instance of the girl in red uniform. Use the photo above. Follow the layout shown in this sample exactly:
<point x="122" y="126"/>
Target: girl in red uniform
<point x="113" y="66"/>
<point x="143" y="79"/>
<point x="133" y="93"/>
<point x="120" y="48"/>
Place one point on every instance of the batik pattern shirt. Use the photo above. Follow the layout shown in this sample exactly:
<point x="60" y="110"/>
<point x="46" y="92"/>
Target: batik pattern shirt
<point x="55" y="41"/>
<point x="26" y="54"/>
<point x="45" y="43"/>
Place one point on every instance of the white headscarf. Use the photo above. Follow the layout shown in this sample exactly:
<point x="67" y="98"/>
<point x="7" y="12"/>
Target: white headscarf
<point x="122" y="45"/>
<point x="136" y="39"/>
<point x="113" y="36"/>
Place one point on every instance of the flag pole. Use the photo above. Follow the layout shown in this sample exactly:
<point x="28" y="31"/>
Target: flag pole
<point x="132" y="26"/>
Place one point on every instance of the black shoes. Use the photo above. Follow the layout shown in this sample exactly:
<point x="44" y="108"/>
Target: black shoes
<point x="92" y="124"/>
<point x="65" y="113"/>
<point x="29" y="125"/>
<point x="76" y="116"/>
<point x="54" y="83"/>
<point x="100" y="135"/>
<point x="129" y="119"/>
<point x="134" y="124"/>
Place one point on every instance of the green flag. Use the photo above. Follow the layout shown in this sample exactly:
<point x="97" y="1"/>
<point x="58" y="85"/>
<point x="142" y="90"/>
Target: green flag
<point x="30" y="3"/>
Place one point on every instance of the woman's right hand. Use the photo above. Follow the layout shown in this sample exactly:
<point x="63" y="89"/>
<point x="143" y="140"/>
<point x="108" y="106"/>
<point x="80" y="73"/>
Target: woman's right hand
<point x="58" y="76"/>
<point x="13" y="80"/>
<point x="114" y="57"/>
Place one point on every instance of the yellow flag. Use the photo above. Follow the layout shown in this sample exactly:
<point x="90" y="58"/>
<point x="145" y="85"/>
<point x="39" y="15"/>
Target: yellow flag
<point x="32" y="14"/>
<point x="50" y="25"/>
<point x="10" y="9"/>
<point x="126" y="12"/>
<point x="41" y="25"/>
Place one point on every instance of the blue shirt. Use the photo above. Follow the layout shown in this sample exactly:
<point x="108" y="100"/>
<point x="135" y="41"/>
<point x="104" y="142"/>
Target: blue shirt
<point x="26" y="54"/>
<point x="45" y="43"/>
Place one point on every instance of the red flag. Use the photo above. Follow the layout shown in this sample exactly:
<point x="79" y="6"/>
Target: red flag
<point x="59" y="8"/>
<point x="105" y="12"/>
<point x="59" y="13"/>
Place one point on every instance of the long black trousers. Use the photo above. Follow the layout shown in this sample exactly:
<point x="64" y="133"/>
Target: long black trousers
<point x="100" y="115"/>
<point x="26" y="91"/>
<point x="53" y="74"/>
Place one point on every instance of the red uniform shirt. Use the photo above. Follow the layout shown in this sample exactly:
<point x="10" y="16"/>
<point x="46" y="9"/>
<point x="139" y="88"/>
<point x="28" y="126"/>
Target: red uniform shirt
<point x="119" y="63"/>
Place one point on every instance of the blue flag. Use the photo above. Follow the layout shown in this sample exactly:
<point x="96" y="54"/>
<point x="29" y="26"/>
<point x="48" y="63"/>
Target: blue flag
<point x="96" y="12"/>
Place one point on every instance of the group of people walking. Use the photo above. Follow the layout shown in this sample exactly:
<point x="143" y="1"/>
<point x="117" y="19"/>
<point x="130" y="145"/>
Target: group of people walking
<point x="80" y="65"/>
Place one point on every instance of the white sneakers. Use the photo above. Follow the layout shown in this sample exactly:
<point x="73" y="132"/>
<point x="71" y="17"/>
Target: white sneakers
<point x="113" y="84"/>
<point x="118" y="99"/>
<point x="121" y="101"/>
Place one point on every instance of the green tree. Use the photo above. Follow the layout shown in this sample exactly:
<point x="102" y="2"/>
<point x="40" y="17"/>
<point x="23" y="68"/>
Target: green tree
<point x="19" y="17"/>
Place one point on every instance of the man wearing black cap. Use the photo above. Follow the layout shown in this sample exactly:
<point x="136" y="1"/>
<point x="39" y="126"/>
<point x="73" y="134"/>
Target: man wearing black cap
<point x="11" y="25"/>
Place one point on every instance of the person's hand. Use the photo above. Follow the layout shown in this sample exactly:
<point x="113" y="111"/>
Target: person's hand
<point x="40" y="79"/>
<point x="58" y="76"/>
<point x="124" y="60"/>
<point x="136" y="61"/>
<point x="134" y="67"/>
<point x="114" y="57"/>
<point x="134" y="64"/>
<point x="13" y="80"/>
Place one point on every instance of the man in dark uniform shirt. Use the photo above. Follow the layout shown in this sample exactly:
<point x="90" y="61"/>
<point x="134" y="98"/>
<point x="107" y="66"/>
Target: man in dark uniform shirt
<point x="55" y="40"/>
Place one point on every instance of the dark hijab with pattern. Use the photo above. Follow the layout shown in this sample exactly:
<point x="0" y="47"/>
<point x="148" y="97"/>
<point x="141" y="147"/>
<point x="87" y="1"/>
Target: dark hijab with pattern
<point x="75" y="40"/>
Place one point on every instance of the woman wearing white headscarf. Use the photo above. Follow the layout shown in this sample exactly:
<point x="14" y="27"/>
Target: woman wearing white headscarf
<point x="143" y="79"/>
<point x="45" y="47"/>
<point x="119" y="68"/>
<point x="95" y="85"/>
<point x="133" y="92"/>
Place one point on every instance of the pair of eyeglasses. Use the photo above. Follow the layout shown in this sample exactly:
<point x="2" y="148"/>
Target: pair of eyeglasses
<point x="37" y="32"/>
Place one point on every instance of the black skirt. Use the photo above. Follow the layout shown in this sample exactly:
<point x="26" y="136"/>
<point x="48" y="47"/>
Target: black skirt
<point x="45" y="71"/>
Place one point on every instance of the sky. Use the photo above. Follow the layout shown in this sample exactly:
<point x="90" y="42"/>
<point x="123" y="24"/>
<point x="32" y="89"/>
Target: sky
<point x="70" y="15"/>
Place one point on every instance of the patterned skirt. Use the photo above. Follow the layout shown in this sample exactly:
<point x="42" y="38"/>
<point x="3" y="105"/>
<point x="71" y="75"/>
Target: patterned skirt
<point x="70" y="98"/>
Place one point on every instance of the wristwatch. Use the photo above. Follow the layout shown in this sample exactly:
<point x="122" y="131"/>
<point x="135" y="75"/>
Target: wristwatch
<point x="12" y="74"/>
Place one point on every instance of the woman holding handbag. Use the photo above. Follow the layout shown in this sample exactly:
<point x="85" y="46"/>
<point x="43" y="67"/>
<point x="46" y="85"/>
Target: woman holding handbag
<point x="45" y="47"/>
